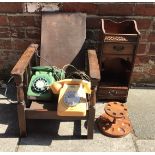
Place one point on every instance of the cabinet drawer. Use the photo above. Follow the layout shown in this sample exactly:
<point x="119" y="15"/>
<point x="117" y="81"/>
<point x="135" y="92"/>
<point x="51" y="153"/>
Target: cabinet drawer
<point x="128" y="58"/>
<point x="116" y="48"/>
<point x="113" y="93"/>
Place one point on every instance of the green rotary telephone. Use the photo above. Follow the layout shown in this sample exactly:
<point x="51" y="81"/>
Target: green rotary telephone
<point x="42" y="77"/>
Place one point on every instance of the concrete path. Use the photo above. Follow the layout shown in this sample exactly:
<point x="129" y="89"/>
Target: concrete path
<point x="141" y="109"/>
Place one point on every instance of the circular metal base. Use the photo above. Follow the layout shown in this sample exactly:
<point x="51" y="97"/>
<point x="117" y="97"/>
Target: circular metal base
<point x="119" y="128"/>
<point x="114" y="122"/>
<point x="116" y="109"/>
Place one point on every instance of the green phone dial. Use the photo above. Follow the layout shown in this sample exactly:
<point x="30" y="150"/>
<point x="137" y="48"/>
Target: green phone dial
<point x="42" y="77"/>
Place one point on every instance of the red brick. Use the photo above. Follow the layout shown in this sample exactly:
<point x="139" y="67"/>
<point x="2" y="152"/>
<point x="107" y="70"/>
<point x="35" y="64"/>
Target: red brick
<point x="33" y="33"/>
<point x="151" y="37"/>
<point x="152" y="49"/>
<point x="17" y="32"/>
<point x="93" y="35"/>
<point x="19" y="44"/>
<point x="152" y="71"/>
<point x="153" y="25"/>
<point x="93" y="23"/>
<point x="38" y="21"/>
<point x="22" y="20"/>
<point x="79" y="7"/>
<point x="5" y="32"/>
<point x="143" y="23"/>
<point x="137" y="77"/>
<point x="22" y="44"/>
<point x="141" y="48"/>
<point x="1" y="65"/>
<point x="143" y="59"/>
<point x="145" y="9"/>
<point x="143" y="36"/>
<point x="116" y="9"/>
<point x="90" y="45"/>
<point x="5" y="44"/>
<point x="11" y="7"/>
<point x="3" y="20"/>
<point x="137" y="60"/>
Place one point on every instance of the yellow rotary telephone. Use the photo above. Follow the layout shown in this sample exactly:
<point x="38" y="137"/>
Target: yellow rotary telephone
<point x="72" y="99"/>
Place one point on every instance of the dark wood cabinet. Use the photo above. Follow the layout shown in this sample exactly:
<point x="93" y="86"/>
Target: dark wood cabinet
<point x="119" y="44"/>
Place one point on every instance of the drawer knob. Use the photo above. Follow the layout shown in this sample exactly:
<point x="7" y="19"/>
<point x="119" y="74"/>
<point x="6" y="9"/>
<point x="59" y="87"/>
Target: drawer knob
<point x="113" y="93"/>
<point x="118" y="48"/>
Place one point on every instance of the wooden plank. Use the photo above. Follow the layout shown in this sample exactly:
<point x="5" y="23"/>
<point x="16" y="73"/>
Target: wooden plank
<point x="21" y="120"/>
<point x="90" y="123"/>
<point x="42" y="114"/>
<point x="94" y="71"/>
<point x="43" y="105"/>
<point x="23" y="62"/>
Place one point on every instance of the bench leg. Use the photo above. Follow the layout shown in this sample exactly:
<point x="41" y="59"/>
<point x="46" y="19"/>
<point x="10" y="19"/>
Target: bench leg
<point x="21" y="120"/>
<point x="90" y="125"/>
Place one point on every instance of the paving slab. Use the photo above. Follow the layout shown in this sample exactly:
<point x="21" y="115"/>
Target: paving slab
<point x="146" y="145"/>
<point x="35" y="143"/>
<point x="47" y="135"/>
<point x="100" y="143"/>
<point x="38" y="143"/>
<point x="8" y="127"/>
<point x="8" y="144"/>
<point x="99" y="108"/>
<point x="42" y="142"/>
<point x="68" y="139"/>
<point x="141" y="107"/>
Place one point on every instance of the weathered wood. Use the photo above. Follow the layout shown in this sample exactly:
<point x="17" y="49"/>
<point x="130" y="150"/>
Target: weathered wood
<point x="62" y="49"/>
<point x="45" y="114"/>
<point x="19" y="69"/>
<point x="119" y="45"/>
<point x="23" y="62"/>
<point x="91" y="114"/>
<point x="44" y="105"/>
<point x="20" y="93"/>
<point x="90" y="122"/>
<point x="93" y="97"/>
<point x="113" y="92"/>
<point x="94" y="71"/>
<point x="118" y="48"/>
<point x="21" y="120"/>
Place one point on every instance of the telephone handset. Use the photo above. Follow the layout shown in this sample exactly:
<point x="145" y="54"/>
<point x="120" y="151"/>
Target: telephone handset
<point x="56" y="86"/>
<point x="72" y="96"/>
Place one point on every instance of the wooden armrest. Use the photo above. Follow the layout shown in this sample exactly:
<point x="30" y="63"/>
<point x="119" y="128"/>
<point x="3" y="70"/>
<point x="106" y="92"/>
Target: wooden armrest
<point x="24" y="60"/>
<point x="94" y="70"/>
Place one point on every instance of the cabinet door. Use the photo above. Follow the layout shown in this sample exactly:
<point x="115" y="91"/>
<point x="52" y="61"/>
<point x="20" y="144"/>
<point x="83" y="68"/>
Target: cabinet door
<point x="128" y="58"/>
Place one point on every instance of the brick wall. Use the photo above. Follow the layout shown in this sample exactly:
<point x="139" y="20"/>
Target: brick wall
<point x="20" y="25"/>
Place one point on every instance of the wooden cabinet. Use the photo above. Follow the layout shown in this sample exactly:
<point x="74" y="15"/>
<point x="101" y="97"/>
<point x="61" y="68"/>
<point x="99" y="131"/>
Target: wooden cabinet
<point x="119" y="44"/>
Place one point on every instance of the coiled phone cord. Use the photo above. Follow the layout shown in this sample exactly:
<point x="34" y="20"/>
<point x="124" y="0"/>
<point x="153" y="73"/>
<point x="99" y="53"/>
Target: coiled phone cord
<point x="6" y="89"/>
<point x="83" y="75"/>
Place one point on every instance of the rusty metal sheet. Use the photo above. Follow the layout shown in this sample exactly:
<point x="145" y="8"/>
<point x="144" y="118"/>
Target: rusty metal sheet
<point x="62" y="37"/>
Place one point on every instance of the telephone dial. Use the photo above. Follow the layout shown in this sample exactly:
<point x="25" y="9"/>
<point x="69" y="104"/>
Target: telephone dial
<point x="72" y="99"/>
<point x="42" y="77"/>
